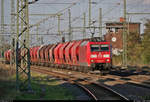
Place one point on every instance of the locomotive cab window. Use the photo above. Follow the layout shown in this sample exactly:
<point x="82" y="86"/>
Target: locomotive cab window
<point x="95" y="48"/>
<point x="104" y="47"/>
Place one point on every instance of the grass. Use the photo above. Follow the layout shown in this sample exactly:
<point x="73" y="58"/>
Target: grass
<point x="145" y="97"/>
<point x="44" y="88"/>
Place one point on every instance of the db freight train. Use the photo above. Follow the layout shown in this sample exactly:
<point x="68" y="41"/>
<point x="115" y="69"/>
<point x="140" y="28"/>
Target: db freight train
<point x="81" y="55"/>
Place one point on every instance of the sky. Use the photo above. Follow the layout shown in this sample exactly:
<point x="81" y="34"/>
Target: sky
<point x="112" y="10"/>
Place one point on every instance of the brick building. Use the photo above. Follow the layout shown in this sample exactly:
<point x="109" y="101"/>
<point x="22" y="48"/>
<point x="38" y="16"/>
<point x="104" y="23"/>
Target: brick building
<point x="114" y="32"/>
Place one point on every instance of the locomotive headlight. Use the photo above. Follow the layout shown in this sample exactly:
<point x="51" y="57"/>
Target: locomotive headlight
<point x="107" y="60"/>
<point x="92" y="60"/>
<point x="106" y="55"/>
<point x="93" y="56"/>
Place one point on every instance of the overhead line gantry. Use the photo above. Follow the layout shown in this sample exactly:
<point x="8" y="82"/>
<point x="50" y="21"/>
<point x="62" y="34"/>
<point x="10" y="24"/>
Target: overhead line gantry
<point x="2" y="30"/>
<point x="23" y="77"/>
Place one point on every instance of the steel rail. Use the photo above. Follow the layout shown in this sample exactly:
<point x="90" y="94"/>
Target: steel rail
<point x="88" y="91"/>
<point x="63" y="77"/>
<point x="117" y="78"/>
<point x="74" y="80"/>
<point x="109" y="89"/>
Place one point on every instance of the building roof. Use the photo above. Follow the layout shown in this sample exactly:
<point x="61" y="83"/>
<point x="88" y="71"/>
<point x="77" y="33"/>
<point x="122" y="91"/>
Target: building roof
<point x="122" y="22"/>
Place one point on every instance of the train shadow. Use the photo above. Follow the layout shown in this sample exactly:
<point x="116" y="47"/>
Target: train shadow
<point x="131" y="91"/>
<point x="131" y="70"/>
<point x="52" y="88"/>
<point x="45" y="88"/>
<point x="139" y="91"/>
<point x="106" y="80"/>
<point x="5" y="87"/>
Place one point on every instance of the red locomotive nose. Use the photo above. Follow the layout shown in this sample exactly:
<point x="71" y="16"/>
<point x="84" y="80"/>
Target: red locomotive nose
<point x="100" y="52"/>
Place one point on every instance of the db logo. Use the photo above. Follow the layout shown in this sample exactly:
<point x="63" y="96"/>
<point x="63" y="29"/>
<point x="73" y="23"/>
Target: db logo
<point x="99" y="55"/>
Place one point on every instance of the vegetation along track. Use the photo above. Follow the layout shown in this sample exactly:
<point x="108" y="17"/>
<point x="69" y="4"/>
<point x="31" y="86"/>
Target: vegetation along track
<point x="95" y="90"/>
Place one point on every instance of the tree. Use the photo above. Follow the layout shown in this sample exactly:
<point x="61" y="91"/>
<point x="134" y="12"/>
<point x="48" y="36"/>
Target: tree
<point x="146" y="43"/>
<point x="134" y="48"/>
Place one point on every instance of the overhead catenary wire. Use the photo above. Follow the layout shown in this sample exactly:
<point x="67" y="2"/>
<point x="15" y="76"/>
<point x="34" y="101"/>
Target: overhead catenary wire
<point x="62" y="15"/>
<point x="52" y="3"/>
<point x="56" y="13"/>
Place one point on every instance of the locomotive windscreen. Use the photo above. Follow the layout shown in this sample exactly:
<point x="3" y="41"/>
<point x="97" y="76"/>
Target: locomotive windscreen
<point x="95" y="48"/>
<point x="103" y="47"/>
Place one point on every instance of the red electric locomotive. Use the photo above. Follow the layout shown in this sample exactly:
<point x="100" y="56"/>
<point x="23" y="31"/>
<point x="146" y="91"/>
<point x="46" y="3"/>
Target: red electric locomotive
<point x="82" y="55"/>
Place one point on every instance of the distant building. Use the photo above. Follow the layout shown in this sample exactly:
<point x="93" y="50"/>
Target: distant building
<point x="114" y="32"/>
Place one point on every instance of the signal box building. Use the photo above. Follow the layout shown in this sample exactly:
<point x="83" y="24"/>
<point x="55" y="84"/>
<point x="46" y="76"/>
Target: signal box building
<point x="114" y="34"/>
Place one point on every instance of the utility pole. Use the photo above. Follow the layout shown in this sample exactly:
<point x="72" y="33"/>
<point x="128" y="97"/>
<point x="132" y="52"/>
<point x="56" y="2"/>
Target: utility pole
<point x="84" y="25"/>
<point x="22" y="36"/>
<point x="42" y="42"/>
<point x="90" y="1"/>
<point x="12" y="56"/>
<point x="91" y="23"/>
<point x="37" y="32"/>
<point x="58" y="24"/>
<point x="70" y="30"/>
<point x="124" y="64"/>
<point x="100" y="22"/>
<point x="2" y="28"/>
<point x="23" y="70"/>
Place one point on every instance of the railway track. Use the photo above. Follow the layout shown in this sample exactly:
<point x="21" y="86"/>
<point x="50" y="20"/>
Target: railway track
<point x="96" y="90"/>
<point x="80" y="79"/>
<point x="116" y="78"/>
<point x="134" y="82"/>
